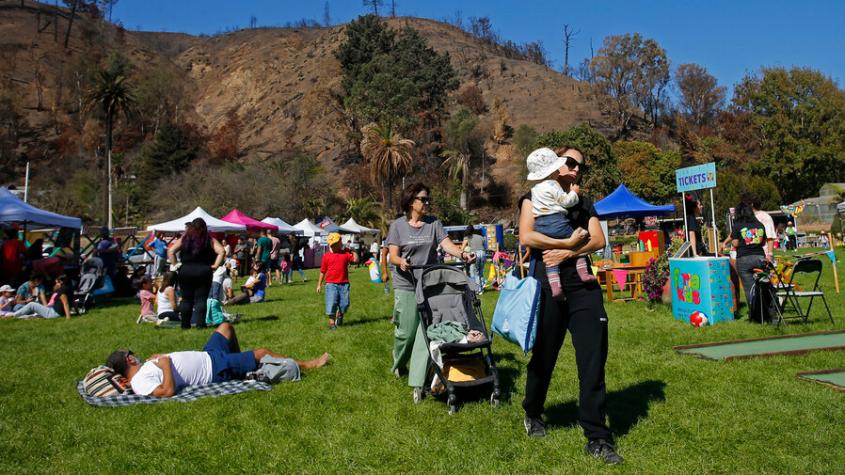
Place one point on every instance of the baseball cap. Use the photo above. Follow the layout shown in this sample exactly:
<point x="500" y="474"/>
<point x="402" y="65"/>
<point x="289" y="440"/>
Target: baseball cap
<point x="333" y="238"/>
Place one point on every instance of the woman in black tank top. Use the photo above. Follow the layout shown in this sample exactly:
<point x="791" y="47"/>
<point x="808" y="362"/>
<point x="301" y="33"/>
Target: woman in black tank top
<point x="200" y="254"/>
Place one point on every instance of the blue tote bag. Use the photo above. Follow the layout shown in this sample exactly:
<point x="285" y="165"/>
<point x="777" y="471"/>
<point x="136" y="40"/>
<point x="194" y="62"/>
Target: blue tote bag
<point x="515" y="317"/>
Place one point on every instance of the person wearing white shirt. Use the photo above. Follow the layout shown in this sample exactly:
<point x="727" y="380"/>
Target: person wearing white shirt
<point x="164" y="375"/>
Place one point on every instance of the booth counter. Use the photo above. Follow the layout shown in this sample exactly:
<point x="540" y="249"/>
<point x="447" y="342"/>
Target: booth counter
<point x="702" y="284"/>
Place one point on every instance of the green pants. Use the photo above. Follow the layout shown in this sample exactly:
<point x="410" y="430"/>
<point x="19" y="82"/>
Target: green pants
<point x="408" y="340"/>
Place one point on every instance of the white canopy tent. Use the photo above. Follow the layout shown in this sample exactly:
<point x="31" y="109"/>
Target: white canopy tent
<point x="279" y="223"/>
<point x="14" y="210"/>
<point x="214" y="225"/>
<point x="352" y="225"/>
<point x="308" y="228"/>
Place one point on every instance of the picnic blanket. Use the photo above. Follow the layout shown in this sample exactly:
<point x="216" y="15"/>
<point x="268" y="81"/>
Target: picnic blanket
<point x="188" y="394"/>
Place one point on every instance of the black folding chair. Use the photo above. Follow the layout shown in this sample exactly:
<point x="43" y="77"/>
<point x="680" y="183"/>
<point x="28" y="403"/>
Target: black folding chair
<point x="791" y="297"/>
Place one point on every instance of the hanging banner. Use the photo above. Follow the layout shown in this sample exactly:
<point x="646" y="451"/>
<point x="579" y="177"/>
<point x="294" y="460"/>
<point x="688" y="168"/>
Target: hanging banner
<point x="694" y="178"/>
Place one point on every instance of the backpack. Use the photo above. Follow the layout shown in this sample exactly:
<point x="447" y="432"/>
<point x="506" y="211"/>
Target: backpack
<point x="102" y="381"/>
<point x="275" y="370"/>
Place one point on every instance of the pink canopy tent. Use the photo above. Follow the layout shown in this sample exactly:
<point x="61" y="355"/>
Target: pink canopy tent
<point x="237" y="217"/>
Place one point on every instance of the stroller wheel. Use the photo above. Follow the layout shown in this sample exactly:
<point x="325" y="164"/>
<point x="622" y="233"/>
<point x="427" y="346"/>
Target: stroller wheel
<point x="494" y="400"/>
<point x="453" y="408"/>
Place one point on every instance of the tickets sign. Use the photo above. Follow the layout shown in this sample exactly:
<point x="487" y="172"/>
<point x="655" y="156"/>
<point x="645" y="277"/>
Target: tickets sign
<point x="698" y="177"/>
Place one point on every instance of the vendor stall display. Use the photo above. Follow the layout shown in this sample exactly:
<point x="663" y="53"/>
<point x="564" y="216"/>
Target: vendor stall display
<point x="701" y="287"/>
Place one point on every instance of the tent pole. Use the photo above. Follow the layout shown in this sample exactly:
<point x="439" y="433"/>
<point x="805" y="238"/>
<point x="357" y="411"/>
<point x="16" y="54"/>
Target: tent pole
<point x="684" y="207"/>
<point x="26" y="184"/>
<point x="715" y="233"/>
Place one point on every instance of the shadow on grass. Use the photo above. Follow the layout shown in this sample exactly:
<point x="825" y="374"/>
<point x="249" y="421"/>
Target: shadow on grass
<point x="365" y="321"/>
<point x="625" y="407"/>
<point x="268" y="318"/>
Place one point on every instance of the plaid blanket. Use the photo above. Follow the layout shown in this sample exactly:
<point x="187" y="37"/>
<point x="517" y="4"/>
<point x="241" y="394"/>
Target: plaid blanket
<point x="190" y="393"/>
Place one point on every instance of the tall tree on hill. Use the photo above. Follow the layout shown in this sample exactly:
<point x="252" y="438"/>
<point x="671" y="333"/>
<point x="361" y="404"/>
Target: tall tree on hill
<point x="327" y="17"/>
<point x="392" y="80"/>
<point x="799" y="116"/>
<point x="630" y="72"/>
<point x="604" y="174"/>
<point x="393" y="8"/>
<point x="112" y="94"/>
<point x="374" y="4"/>
<point x="389" y="156"/>
<point x="701" y="96"/>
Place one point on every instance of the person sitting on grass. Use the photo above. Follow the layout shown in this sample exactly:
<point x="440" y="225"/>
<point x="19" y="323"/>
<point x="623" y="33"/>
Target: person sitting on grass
<point x="147" y="298"/>
<point x="221" y="359"/>
<point x="254" y="288"/>
<point x="58" y="305"/>
<point x="166" y="300"/>
<point x="31" y="291"/>
<point x="7" y="301"/>
<point x="334" y="270"/>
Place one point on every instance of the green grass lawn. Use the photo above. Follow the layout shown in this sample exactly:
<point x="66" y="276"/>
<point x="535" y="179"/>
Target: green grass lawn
<point x="669" y="413"/>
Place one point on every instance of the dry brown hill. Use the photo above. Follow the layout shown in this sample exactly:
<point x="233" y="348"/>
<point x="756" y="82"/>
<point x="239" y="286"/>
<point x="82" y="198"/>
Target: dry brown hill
<point x="283" y="83"/>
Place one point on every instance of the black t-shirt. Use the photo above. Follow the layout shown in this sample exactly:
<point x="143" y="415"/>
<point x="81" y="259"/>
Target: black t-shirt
<point x="58" y="306"/>
<point x="579" y="217"/>
<point x="695" y="228"/>
<point x="751" y="236"/>
<point x="204" y="256"/>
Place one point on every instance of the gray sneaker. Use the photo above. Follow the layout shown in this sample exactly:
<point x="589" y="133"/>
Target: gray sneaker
<point x="604" y="451"/>
<point x="534" y="426"/>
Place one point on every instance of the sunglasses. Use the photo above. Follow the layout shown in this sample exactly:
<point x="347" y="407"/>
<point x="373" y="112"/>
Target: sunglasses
<point x="571" y="163"/>
<point x="423" y="199"/>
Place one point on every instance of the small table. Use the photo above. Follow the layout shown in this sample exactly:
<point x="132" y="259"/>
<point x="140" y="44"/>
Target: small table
<point x="634" y="282"/>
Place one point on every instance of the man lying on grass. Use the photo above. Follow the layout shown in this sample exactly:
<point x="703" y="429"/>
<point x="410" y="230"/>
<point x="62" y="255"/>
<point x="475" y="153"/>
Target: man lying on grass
<point x="220" y="360"/>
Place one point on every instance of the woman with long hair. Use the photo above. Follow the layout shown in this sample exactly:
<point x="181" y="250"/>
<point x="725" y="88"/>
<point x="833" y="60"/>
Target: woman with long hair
<point x="582" y="314"/>
<point x="412" y="241"/>
<point x="749" y="238"/>
<point x="200" y="254"/>
<point x="694" y="209"/>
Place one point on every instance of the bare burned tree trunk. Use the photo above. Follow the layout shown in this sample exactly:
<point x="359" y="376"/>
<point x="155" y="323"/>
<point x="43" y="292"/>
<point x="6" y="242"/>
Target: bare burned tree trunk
<point x="73" y="8"/>
<point x="568" y="34"/>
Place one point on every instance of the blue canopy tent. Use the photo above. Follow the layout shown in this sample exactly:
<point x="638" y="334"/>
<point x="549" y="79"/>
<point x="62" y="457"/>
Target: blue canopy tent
<point x="624" y="204"/>
<point x="13" y="210"/>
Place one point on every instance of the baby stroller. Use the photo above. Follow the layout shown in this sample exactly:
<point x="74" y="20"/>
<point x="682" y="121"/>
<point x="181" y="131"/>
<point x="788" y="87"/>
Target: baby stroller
<point x="448" y="304"/>
<point x="90" y="280"/>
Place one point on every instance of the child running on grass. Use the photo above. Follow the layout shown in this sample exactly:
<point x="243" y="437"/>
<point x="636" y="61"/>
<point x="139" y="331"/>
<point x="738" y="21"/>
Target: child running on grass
<point x="550" y="208"/>
<point x="334" y="270"/>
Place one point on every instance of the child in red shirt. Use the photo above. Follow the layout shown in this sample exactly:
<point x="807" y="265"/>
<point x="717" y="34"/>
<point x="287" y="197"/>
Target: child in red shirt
<point x="334" y="270"/>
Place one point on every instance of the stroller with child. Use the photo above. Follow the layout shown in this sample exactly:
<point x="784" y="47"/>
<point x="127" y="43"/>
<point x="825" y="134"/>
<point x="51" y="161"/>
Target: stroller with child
<point x="455" y="333"/>
<point x="90" y="280"/>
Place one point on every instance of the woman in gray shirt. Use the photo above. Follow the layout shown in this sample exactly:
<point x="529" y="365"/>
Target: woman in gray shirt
<point x="412" y="241"/>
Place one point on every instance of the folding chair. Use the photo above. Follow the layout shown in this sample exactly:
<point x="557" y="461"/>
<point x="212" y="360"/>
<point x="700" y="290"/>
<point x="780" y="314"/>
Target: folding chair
<point x="791" y="296"/>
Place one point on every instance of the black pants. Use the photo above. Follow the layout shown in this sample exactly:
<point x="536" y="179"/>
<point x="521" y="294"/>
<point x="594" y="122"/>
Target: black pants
<point x="195" y="284"/>
<point x="583" y="315"/>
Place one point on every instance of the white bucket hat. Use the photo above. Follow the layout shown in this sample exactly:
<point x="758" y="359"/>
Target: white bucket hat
<point x="542" y="163"/>
<point x="6" y="288"/>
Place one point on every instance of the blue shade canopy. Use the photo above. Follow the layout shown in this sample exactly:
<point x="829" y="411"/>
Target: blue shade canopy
<point x="14" y="210"/>
<point x="624" y="204"/>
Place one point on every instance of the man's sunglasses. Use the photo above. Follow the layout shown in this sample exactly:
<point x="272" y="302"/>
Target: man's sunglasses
<point x="571" y="163"/>
<point x="423" y="199"/>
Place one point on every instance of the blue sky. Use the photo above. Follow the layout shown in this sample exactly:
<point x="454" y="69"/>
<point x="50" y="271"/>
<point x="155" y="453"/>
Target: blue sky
<point x="729" y="38"/>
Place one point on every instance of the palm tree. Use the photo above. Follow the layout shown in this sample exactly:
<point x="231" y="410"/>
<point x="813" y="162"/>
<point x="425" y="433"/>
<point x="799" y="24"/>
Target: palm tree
<point x="112" y="93"/>
<point x="364" y="211"/>
<point x="458" y="163"/>
<point x="389" y="156"/>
